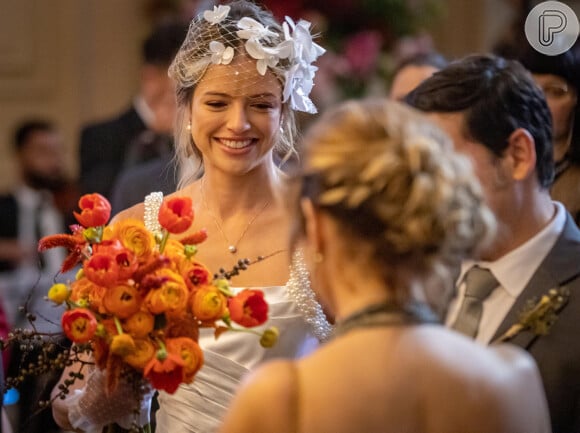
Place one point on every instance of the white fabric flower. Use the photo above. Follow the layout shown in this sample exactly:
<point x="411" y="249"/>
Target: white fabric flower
<point x="300" y="77"/>
<point x="252" y="29"/>
<point x="218" y="14"/>
<point x="220" y="54"/>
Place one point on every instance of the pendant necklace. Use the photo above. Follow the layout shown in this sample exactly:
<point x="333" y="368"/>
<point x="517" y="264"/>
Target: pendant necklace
<point x="232" y="247"/>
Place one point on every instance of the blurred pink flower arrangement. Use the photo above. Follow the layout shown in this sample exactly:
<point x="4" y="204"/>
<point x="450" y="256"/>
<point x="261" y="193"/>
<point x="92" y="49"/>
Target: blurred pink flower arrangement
<point x="363" y="38"/>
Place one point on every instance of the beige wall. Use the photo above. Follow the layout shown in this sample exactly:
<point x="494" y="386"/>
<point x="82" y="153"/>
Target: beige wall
<point x="76" y="61"/>
<point x="71" y="61"/>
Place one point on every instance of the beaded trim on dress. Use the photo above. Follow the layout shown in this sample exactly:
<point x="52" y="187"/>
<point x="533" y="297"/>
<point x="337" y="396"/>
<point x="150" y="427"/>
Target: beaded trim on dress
<point x="152" y="204"/>
<point x="299" y="290"/>
<point x="298" y="285"/>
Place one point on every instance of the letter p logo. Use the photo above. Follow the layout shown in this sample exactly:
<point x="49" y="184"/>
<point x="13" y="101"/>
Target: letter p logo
<point x="550" y="23"/>
<point x="552" y="27"/>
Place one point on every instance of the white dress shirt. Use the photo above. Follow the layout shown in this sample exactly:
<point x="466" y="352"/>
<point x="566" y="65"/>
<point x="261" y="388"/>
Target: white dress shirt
<point x="513" y="272"/>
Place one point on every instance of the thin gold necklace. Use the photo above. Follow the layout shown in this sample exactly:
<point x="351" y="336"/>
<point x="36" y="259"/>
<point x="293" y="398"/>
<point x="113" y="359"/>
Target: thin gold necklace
<point x="232" y="247"/>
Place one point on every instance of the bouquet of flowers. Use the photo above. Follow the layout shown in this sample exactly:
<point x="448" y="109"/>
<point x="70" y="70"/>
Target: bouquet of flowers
<point x="139" y="298"/>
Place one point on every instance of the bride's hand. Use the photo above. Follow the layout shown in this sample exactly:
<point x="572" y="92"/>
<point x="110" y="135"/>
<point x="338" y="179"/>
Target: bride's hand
<point x="92" y="407"/>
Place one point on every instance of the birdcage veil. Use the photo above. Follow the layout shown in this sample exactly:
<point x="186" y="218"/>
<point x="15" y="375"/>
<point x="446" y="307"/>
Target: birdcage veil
<point x="218" y="36"/>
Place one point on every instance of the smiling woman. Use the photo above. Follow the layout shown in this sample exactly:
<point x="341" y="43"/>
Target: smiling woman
<point x="240" y="76"/>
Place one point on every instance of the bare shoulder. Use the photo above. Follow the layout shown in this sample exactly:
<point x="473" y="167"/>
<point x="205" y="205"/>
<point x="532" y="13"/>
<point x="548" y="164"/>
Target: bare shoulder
<point x="271" y="390"/>
<point x="135" y="212"/>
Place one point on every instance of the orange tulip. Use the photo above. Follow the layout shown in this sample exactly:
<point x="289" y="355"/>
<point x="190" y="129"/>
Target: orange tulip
<point x="79" y="325"/>
<point x="95" y="210"/>
<point x="190" y="353"/>
<point x="176" y="214"/>
<point x="248" y="308"/>
<point x="102" y="269"/>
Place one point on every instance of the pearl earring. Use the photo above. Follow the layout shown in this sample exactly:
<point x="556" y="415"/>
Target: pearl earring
<point x="318" y="257"/>
<point x="189" y="126"/>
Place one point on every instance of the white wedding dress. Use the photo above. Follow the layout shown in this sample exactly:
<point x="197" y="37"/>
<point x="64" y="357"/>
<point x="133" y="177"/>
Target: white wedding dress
<point x="200" y="406"/>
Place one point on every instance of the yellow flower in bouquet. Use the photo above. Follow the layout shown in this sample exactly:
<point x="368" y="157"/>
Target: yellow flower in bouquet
<point x="139" y="300"/>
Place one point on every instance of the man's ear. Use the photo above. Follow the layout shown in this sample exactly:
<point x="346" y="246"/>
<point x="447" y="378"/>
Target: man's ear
<point x="312" y="225"/>
<point x="521" y="152"/>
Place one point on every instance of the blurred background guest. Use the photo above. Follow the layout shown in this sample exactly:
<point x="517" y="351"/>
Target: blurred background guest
<point x="143" y="131"/>
<point x="412" y="71"/>
<point x="32" y="210"/>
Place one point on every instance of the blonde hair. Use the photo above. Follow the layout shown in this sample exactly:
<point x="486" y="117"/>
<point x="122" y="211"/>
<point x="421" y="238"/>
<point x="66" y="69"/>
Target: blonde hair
<point x="391" y="179"/>
<point x="194" y="58"/>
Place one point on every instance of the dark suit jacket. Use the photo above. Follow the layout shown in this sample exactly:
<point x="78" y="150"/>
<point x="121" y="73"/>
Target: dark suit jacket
<point x="8" y="224"/>
<point x="134" y="183"/>
<point x="558" y="353"/>
<point x="102" y="151"/>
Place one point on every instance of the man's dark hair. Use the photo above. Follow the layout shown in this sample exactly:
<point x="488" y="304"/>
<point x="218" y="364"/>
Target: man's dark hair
<point x="25" y="129"/>
<point x="163" y="43"/>
<point x="497" y="96"/>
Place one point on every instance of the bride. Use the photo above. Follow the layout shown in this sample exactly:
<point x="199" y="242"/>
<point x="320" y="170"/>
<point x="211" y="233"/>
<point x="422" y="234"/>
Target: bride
<point x="239" y="78"/>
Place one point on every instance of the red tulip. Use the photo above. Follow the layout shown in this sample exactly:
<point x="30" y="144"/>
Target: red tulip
<point x="79" y="325"/>
<point x="248" y="308"/>
<point x="176" y="214"/>
<point x="95" y="210"/>
<point x="165" y="371"/>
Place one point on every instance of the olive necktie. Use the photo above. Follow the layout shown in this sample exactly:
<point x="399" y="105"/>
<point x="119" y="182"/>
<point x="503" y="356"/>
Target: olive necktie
<point x="479" y="283"/>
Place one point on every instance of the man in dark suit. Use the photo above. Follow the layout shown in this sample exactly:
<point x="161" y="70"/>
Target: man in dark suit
<point x="498" y="117"/>
<point x="105" y="147"/>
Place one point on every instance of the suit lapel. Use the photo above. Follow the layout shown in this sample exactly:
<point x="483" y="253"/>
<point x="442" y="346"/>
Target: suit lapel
<point x="560" y="266"/>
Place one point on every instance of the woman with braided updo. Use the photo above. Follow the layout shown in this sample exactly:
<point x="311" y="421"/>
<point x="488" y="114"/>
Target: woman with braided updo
<point x="388" y="210"/>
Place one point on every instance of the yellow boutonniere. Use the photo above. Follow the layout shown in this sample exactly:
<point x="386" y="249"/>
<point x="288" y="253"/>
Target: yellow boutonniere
<point x="538" y="316"/>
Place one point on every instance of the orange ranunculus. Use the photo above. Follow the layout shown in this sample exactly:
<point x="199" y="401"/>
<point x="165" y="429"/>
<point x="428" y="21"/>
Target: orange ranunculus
<point x="195" y="275"/>
<point x="143" y="353"/>
<point x="95" y="210"/>
<point x="139" y="324"/>
<point x="122" y="300"/>
<point x="79" y="325"/>
<point x="190" y="353"/>
<point x="174" y="250"/>
<point x="102" y="270"/>
<point x="248" y="308"/>
<point x="135" y="237"/>
<point x="165" y="371"/>
<point x="170" y="296"/>
<point x="208" y="304"/>
<point x="122" y="345"/>
<point x="176" y="214"/>
<point x="84" y="290"/>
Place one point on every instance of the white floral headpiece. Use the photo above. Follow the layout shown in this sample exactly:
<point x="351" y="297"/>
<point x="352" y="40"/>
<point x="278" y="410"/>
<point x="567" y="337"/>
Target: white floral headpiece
<point x="297" y="48"/>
